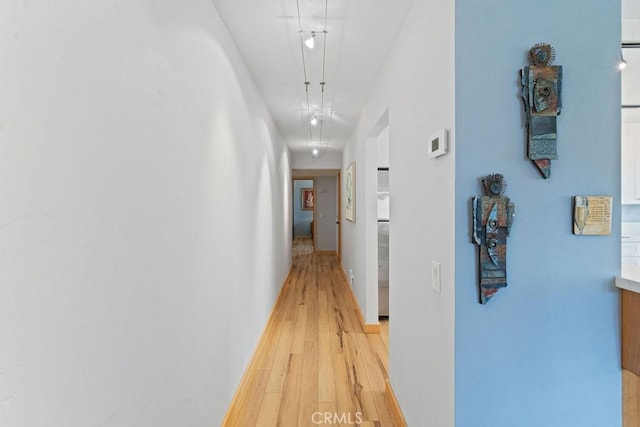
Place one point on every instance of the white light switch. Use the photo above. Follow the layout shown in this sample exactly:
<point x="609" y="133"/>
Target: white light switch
<point x="435" y="276"/>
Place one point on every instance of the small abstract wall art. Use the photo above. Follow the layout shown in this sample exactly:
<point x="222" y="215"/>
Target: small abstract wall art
<point x="493" y="215"/>
<point x="541" y="93"/>
<point x="592" y="215"/>
<point x="350" y="190"/>
<point x="306" y="197"/>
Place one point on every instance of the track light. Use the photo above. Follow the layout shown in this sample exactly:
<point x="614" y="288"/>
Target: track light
<point x="311" y="42"/>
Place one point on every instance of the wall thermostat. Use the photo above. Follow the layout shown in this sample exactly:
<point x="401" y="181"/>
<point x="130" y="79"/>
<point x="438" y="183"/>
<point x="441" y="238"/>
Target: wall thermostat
<point x="438" y="144"/>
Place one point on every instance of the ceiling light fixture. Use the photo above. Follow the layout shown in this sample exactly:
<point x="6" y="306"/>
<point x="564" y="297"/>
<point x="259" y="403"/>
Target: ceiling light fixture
<point x="622" y="64"/>
<point x="311" y="41"/>
<point x="310" y="44"/>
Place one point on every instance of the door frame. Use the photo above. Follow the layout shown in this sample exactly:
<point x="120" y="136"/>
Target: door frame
<point x="339" y="216"/>
<point x="312" y="174"/>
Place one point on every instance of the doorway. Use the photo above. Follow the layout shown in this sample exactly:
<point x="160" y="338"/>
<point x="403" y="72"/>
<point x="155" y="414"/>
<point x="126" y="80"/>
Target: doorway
<point x="303" y="211"/>
<point x="377" y="222"/>
<point x="630" y="199"/>
<point x="383" y="199"/>
<point x="378" y="227"/>
<point x="320" y="226"/>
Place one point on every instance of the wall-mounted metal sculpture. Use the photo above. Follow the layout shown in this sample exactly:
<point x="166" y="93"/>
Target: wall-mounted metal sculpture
<point x="493" y="215"/>
<point x="541" y="90"/>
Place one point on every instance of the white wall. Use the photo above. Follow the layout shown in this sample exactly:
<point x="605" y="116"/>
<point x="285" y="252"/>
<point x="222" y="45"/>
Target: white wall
<point x="326" y="213"/>
<point x="327" y="160"/>
<point x="417" y="86"/>
<point x="145" y="225"/>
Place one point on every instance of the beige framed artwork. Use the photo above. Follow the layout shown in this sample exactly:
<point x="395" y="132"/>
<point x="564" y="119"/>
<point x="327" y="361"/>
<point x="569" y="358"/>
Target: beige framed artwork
<point x="350" y="193"/>
<point x="592" y="215"/>
<point x="307" y="199"/>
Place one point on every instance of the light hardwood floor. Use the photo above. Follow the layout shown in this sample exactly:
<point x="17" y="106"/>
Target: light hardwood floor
<point x="315" y="365"/>
<point x="630" y="399"/>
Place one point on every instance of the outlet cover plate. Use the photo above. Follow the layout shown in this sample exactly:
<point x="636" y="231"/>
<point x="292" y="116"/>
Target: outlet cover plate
<point x="435" y="276"/>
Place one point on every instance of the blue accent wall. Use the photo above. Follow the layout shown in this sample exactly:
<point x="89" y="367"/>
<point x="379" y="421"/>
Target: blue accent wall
<point x="301" y="218"/>
<point x="545" y="351"/>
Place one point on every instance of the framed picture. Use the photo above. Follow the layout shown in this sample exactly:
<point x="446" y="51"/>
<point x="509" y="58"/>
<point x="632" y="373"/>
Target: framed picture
<point x="350" y="190"/>
<point x="592" y="215"/>
<point x="438" y="144"/>
<point x="307" y="198"/>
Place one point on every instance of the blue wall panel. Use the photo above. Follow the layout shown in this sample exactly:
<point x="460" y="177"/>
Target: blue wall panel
<point x="545" y="351"/>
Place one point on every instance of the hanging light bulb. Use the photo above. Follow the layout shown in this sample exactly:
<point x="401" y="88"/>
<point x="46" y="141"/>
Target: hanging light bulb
<point x="315" y="152"/>
<point x="314" y="121"/>
<point x="311" y="42"/>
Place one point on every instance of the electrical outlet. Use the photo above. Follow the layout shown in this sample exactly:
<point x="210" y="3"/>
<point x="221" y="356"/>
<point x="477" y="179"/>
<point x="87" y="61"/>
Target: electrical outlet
<point x="435" y="276"/>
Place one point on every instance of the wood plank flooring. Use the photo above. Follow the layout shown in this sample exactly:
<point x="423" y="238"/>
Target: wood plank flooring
<point x="630" y="399"/>
<point x="315" y="365"/>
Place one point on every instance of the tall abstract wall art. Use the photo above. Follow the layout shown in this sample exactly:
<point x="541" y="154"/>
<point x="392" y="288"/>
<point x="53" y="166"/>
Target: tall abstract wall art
<point x="541" y="90"/>
<point x="350" y="190"/>
<point x="493" y="215"/>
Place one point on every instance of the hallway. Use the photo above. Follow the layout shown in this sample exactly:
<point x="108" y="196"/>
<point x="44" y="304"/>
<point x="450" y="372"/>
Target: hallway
<point x="314" y="364"/>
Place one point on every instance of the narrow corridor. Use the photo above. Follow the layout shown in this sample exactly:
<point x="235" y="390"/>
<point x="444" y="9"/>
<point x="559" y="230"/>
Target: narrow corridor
<point x="314" y="364"/>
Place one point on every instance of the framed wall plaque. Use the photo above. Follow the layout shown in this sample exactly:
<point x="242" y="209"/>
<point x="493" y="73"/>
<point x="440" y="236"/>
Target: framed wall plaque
<point x="592" y="215"/>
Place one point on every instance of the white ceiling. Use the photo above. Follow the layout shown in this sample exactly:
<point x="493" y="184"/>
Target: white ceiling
<point x="360" y="34"/>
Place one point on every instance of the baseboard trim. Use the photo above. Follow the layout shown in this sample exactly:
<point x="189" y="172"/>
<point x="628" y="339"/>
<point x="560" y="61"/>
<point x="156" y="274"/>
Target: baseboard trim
<point x="393" y="405"/>
<point x="325" y="253"/>
<point x="368" y="328"/>
<point x="231" y="417"/>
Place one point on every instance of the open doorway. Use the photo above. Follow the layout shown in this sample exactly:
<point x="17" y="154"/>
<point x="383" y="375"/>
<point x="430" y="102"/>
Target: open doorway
<point x="304" y="199"/>
<point x="383" y="199"/>
<point x="318" y="229"/>
<point x="378" y="227"/>
<point x="630" y="197"/>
